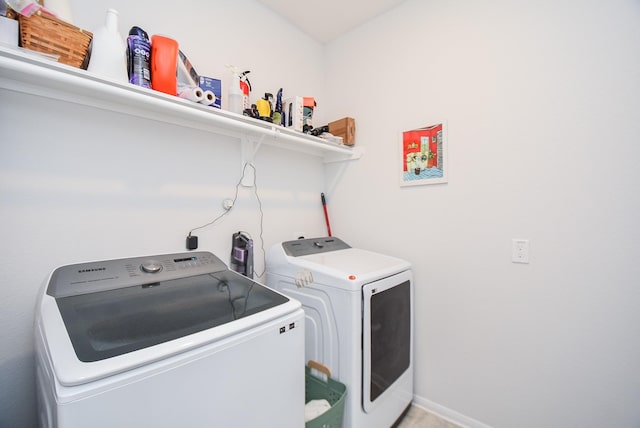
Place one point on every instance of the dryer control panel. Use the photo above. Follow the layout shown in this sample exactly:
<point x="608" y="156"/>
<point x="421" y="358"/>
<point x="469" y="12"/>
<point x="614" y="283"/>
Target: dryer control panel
<point x="304" y="247"/>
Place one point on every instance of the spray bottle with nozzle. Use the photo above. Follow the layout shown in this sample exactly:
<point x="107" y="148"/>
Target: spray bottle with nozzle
<point x="235" y="93"/>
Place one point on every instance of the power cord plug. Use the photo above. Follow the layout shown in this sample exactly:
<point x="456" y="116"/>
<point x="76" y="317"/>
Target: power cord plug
<point x="192" y="242"/>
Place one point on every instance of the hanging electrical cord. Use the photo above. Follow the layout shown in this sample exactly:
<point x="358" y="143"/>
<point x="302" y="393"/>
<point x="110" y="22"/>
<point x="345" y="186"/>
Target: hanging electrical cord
<point x="264" y="253"/>
<point x="233" y="202"/>
<point x="192" y="241"/>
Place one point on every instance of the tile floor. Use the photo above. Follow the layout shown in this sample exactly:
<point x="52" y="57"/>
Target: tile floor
<point x="419" y="418"/>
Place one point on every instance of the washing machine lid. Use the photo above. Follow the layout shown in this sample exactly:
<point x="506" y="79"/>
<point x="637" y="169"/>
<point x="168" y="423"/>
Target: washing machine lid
<point x="109" y="323"/>
<point x="100" y="318"/>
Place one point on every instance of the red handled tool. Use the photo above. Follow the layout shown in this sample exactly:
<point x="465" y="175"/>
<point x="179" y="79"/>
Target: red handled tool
<point x="326" y="215"/>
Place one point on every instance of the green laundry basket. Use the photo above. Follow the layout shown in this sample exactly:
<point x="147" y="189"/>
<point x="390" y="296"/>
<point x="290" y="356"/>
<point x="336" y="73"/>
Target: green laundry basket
<point x="331" y="390"/>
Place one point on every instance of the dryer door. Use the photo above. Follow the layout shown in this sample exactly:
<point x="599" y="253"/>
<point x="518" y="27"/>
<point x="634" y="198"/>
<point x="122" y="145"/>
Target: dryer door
<point x="387" y="331"/>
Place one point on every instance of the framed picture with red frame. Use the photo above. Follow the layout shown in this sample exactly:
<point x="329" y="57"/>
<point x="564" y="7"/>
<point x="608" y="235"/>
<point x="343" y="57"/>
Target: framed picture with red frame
<point x="424" y="155"/>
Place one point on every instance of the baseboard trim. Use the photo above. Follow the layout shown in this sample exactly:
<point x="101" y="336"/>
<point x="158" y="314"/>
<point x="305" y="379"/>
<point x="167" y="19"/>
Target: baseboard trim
<point x="447" y="414"/>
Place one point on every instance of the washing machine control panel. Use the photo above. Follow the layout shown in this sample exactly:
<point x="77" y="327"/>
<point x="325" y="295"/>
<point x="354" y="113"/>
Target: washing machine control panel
<point x="92" y="277"/>
<point x="304" y="247"/>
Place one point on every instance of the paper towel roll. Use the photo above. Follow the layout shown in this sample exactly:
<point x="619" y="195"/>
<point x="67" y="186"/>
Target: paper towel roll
<point x="208" y="98"/>
<point x="191" y="93"/>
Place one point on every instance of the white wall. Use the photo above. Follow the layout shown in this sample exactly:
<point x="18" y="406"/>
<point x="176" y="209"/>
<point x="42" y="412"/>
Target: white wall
<point x="78" y="183"/>
<point x="541" y="100"/>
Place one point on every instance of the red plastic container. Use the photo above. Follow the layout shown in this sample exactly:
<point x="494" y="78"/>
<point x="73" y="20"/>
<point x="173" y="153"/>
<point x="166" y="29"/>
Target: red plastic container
<point x="164" y="64"/>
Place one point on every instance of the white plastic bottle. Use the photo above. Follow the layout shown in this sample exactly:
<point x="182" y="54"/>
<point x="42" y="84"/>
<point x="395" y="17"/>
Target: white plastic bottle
<point x="108" y="51"/>
<point x="235" y="95"/>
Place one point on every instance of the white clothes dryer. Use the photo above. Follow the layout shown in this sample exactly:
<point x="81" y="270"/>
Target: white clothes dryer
<point x="358" y="321"/>
<point x="175" y="340"/>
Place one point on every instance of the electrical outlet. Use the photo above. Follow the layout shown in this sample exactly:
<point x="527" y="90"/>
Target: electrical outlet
<point x="227" y="204"/>
<point x="520" y="250"/>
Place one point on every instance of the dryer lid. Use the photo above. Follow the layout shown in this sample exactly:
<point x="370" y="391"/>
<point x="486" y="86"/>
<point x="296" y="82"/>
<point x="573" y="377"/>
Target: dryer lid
<point x="356" y="262"/>
<point x="305" y="247"/>
<point x="333" y="257"/>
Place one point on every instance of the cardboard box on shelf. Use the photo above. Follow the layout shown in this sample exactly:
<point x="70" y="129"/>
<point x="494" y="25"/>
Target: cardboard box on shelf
<point x="345" y="128"/>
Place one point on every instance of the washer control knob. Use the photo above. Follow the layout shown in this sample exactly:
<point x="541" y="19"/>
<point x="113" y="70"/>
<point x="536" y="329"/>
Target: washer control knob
<point x="318" y="244"/>
<point x="151" y="267"/>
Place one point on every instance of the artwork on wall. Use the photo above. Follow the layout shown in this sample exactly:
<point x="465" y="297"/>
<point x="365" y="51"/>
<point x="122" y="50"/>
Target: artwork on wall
<point x="424" y="155"/>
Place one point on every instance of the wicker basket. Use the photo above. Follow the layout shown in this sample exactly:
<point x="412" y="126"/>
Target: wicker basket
<point x="46" y="34"/>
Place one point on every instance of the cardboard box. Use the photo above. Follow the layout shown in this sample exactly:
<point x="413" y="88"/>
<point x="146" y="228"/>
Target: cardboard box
<point x="345" y="128"/>
<point x="213" y="85"/>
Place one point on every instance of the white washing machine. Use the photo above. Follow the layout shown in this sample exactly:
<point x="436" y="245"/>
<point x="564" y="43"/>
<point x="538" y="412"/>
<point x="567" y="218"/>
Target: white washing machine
<point x="175" y="340"/>
<point x="358" y="321"/>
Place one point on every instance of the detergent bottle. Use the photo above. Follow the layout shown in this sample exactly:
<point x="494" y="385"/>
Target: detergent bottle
<point x="139" y="57"/>
<point x="108" y="56"/>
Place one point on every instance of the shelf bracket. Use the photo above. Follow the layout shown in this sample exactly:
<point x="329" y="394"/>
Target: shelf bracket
<point x="249" y="148"/>
<point x="357" y="153"/>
